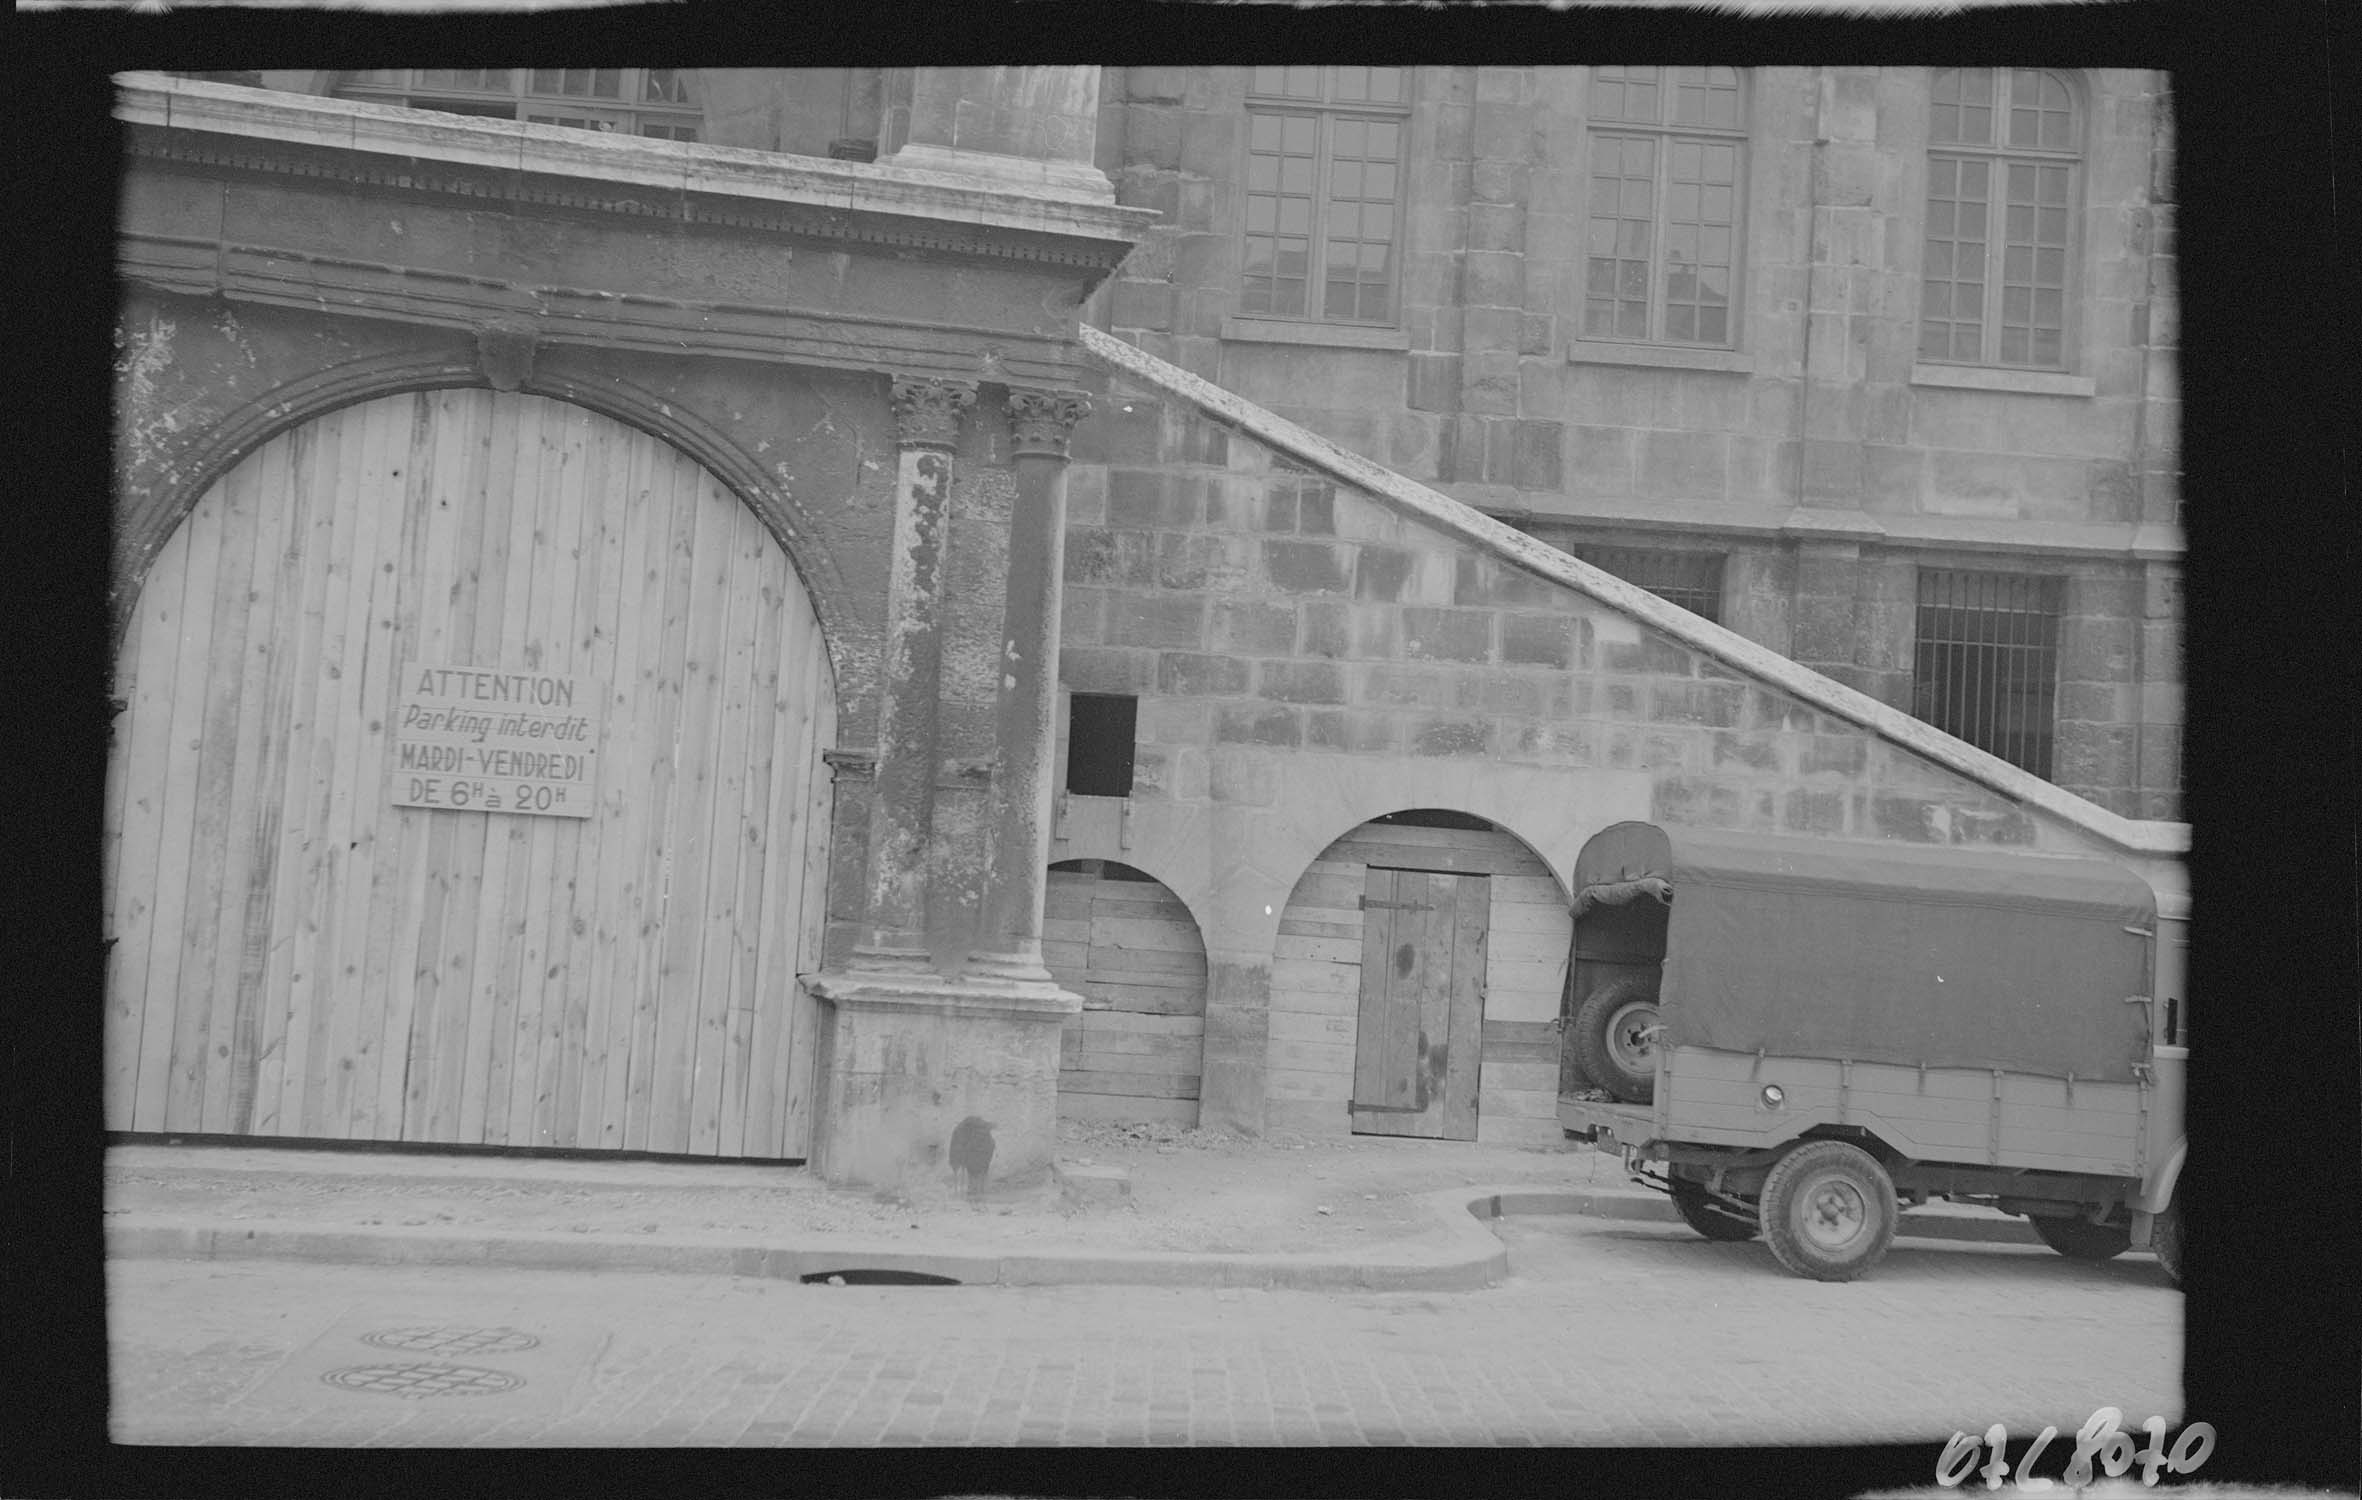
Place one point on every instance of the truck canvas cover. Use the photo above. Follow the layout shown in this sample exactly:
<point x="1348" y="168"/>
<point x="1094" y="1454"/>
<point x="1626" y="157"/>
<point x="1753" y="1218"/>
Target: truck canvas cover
<point x="1944" y="957"/>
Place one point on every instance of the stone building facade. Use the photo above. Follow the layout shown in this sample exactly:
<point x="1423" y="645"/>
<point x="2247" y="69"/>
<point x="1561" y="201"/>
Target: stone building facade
<point x="1784" y="433"/>
<point x="1152" y="630"/>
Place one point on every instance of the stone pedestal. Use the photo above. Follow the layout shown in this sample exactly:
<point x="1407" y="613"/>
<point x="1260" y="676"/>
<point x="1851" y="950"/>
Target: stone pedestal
<point x="938" y="1089"/>
<point x="1036" y="126"/>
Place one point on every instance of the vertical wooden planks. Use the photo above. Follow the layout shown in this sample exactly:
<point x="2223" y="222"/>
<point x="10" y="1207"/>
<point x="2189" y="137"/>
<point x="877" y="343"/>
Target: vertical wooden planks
<point x="1373" y="1073"/>
<point x="622" y="776"/>
<point x="678" y="1021"/>
<point x="162" y="1031"/>
<point x="661" y="752"/>
<point x="1465" y="1035"/>
<point x="720" y="991"/>
<point x="333" y="966"/>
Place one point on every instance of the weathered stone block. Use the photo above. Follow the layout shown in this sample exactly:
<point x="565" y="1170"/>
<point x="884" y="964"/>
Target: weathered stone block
<point x="1302" y="682"/>
<point x="1143" y="304"/>
<point x="1435" y="382"/>
<point x="1621" y="699"/>
<point x="1246" y="777"/>
<point x="1498" y="181"/>
<point x="1758" y="751"/>
<point x="1081" y="615"/>
<point x="1452" y="737"/>
<point x="1538" y="640"/>
<point x="1157" y="620"/>
<point x="1103" y="669"/>
<point x="2096" y="650"/>
<point x="1652" y="656"/>
<point x="1602" y="460"/>
<point x="1175" y="721"/>
<point x="1252" y="628"/>
<point x="1316" y="510"/>
<point x="1844" y="755"/>
<point x="1258" y="724"/>
<point x="1191" y="674"/>
<point x="1556" y="744"/>
<point x="1382" y="573"/>
<point x="1535" y="334"/>
<point x="1479" y="581"/>
<point x="1406" y="687"/>
<point x="1496" y="226"/>
<point x="1086" y="495"/>
<point x="1500" y="694"/>
<point x="1307" y="567"/>
<point x="1155" y="85"/>
<point x="1907" y="818"/>
<point x="1279" y="506"/>
<point x="1327" y="629"/>
<point x="1538" y="461"/>
<point x="1151" y="498"/>
<point x="1682" y="465"/>
<point x="1447" y="635"/>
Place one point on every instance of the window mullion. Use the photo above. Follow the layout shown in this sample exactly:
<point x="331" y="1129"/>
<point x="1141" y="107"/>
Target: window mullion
<point x="1316" y="277"/>
<point x="1661" y="194"/>
<point x="1996" y="248"/>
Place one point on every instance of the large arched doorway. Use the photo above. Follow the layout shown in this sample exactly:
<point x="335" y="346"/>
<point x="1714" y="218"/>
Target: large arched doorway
<point x="1415" y="980"/>
<point x="375" y="627"/>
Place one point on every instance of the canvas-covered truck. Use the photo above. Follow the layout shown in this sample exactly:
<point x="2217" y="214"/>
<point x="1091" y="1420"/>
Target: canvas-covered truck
<point x="1804" y="1038"/>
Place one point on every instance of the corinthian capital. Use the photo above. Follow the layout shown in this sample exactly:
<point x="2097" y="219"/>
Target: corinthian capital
<point x="927" y="412"/>
<point x="1043" y="421"/>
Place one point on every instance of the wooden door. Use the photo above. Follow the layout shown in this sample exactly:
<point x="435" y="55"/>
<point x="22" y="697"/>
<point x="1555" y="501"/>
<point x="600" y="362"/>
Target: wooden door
<point x="298" y="954"/>
<point x="1130" y="948"/>
<point x="1416" y="1044"/>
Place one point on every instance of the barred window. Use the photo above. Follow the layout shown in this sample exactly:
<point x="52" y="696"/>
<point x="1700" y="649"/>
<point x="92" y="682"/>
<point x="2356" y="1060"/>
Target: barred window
<point x="1662" y="234"/>
<point x="1994" y="286"/>
<point x="1692" y="580"/>
<point x="658" y="102"/>
<point x="1985" y="666"/>
<point x="1324" y="192"/>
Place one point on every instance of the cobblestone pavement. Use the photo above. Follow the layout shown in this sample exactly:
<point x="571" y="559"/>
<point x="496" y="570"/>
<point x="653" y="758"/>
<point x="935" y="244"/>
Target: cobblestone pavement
<point x="1606" y="1333"/>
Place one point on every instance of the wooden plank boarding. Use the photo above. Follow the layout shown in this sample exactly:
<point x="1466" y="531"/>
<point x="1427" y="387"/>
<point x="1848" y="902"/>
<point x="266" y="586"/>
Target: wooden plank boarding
<point x="306" y="950"/>
<point x="1140" y="956"/>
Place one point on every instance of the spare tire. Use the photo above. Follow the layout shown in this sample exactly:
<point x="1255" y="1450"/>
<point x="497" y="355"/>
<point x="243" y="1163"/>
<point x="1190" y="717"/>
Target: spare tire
<point x="1609" y="1039"/>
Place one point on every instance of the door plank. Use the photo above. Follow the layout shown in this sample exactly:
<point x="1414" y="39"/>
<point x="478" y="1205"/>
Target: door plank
<point x="1466" y="1019"/>
<point x="718" y="978"/>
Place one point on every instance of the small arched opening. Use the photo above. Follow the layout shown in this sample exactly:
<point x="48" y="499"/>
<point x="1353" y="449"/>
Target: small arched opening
<point x="1122" y="940"/>
<point x="1417" y="973"/>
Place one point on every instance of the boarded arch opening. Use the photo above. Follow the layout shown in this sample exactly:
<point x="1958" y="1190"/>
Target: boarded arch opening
<point x="467" y="794"/>
<point x="1418" y="971"/>
<point x="1122" y="940"/>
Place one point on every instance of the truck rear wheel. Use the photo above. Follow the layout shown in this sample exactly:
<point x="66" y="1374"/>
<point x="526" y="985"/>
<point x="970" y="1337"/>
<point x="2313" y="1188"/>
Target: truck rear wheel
<point x="2080" y="1239"/>
<point x="1829" y="1210"/>
<point x="1708" y="1217"/>
<point x="1608" y="1040"/>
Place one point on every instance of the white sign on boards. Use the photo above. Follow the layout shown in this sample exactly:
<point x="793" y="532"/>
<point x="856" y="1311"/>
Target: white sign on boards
<point x="485" y="739"/>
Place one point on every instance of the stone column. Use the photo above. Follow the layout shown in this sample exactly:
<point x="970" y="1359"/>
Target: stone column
<point x="894" y="917"/>
<point x="1032" y="125"/>
<point x="1008" y="944"/>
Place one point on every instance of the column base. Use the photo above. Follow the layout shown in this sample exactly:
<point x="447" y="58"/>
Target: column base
<point x="938" y="1088"/>
<point x="1002" y="970"/>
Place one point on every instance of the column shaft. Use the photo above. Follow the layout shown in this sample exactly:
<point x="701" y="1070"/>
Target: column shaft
<point x="894" y="924"/>
<point x="1008" y="943"/>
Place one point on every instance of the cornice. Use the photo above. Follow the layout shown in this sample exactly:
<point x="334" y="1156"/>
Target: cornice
<point x="220" y="127"/>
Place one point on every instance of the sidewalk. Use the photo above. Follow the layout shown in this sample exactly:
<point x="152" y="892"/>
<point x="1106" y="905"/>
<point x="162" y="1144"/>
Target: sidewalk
<point x="1201" y="1209"/>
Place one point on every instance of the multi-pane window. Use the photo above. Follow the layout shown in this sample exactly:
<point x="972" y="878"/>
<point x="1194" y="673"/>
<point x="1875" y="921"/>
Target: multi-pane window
<point x="1985" y="667"/>
<point x="659" y="102"/>
<point x="1324" y="192"/>
<point x="2003" y="148"/>
<point x="1661" y="248"/>
<point x="1692" y="580"/>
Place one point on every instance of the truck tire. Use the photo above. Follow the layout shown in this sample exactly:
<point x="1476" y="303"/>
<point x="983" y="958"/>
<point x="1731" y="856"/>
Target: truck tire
<point x="1829" y="1210"/>
<point x="1708" y="1217"/>
<point x="2080" y="1239"/>
<point x="2165" y="1238"/>
<point x="1606" y="1042"/>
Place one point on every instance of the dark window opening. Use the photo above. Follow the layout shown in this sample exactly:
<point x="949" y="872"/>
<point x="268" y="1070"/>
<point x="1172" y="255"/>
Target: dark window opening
<point x="1437" y="817"/>
<point x="1099" y="731"/>
<point x="1985" y="666"/>
<point x="1692" y="580"/>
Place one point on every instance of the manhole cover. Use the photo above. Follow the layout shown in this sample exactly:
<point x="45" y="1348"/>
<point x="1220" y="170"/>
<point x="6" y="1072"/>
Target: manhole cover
<point x="417" y="1382"/>
<point x="453" y="1340"/>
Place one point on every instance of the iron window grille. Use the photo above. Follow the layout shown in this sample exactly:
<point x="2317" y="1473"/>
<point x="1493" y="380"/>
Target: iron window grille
<point x="1996" y="293"/>
<point x="662" y="103"/>
<point x="1692" y="580"/>
<point x="1324" y="192"/>
<point x="1985" y="663"/>
<point x="1661" y="254"/>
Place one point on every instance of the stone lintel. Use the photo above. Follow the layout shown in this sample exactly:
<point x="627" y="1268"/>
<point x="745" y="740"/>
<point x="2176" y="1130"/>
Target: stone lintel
<point x="932" y="994"/>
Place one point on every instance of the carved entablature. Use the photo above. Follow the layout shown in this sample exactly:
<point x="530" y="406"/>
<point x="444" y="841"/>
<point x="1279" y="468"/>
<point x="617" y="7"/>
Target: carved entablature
<point x="1042" y="422"/>
<point x="927" y="412"/>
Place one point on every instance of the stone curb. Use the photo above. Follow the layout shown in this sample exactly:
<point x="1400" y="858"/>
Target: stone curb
<point x="1473" y="1258"/>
